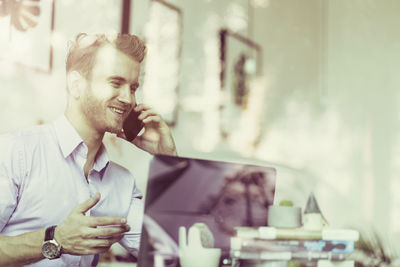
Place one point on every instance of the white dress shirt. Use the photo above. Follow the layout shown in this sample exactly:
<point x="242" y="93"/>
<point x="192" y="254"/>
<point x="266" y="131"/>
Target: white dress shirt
<point x="42" y="180"/>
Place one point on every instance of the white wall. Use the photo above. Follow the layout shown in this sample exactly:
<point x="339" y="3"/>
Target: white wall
<point x="362" y="59"/>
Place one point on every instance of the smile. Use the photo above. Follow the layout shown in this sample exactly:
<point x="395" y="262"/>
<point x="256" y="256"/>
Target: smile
<point x="116" y="110"/>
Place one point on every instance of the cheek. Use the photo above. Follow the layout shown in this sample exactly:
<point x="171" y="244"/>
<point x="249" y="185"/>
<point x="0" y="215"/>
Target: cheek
<point x="90" y="102"/>
<point x="102" y="90"/>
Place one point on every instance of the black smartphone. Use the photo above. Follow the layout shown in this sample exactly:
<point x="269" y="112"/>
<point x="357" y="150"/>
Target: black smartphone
<point x="132" y="125"/>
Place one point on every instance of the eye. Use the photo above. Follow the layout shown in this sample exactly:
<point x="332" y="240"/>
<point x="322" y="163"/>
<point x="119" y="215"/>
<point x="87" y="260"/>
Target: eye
<point x="115" y="84"/>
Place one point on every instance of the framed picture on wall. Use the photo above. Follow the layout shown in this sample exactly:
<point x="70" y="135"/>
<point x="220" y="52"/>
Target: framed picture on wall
<point x="241" y="62"/>
<point x="26" y="28"/>
<point x="163" y="60"/>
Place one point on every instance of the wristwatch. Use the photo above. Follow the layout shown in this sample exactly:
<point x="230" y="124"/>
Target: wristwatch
<point x="50" y="248"/>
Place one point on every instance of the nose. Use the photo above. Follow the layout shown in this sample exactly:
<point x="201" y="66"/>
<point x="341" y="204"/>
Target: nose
<point x="125" y="96"/>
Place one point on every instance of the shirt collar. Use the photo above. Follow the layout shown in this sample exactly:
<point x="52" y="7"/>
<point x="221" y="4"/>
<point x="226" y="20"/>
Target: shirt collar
<point x="69" y="140"/>
<point x="101" y="159"/>
<point x="68" y="137"/>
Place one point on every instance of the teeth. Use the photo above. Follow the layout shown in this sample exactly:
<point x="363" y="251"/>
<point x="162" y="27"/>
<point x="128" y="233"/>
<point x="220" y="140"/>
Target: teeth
<point x="118" y="110"/>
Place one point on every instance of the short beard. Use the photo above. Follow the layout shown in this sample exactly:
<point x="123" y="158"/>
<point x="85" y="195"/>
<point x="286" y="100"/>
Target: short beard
<point x="96" y="115"/>
<point x="113" y="130"/>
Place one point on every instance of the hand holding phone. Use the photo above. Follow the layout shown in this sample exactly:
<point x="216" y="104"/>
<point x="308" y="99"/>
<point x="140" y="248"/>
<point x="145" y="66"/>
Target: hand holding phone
<point x="132" y="125"/>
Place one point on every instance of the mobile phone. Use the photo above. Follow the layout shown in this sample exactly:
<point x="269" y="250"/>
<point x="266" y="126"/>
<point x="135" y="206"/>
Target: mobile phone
<point x="132" y="125"/>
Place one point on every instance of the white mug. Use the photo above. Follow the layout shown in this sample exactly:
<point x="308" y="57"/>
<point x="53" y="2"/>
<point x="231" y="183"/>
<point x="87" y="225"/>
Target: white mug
<point x="192" y="253"/>
<point x="200" y="257"/>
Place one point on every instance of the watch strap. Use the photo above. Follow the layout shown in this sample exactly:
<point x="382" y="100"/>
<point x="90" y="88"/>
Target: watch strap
<point x="49" y="234"/>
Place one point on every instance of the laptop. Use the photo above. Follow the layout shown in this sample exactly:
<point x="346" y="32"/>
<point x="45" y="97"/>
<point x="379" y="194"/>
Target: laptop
<point x="185" y="191"/>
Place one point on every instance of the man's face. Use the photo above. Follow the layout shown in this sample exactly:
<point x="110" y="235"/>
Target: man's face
<point x="110" y="92"/>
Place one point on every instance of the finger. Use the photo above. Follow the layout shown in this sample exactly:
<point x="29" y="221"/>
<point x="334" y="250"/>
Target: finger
<point x="147" y="113"/>
<point x="138" y="141"/>
<point x="152" y="119"/>
<point x="88" y="204"/>
<point x="105" y="242"/>
<point x="108" y="241"/>
<point x="141" y="107"/>
<point x="109" y="231"/>
<point x="116" y="238"/>
<point x="95" y="250"/>
<point x="107" y="220"/>
<point x="122" y="135"/>
<point x="89" y="251"/>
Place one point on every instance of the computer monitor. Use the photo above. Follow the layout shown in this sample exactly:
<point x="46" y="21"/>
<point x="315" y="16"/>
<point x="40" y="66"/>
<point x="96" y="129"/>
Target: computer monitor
<point x="184" y="191"/>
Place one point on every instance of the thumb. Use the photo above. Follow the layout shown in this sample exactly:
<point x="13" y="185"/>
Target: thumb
<point x="122" y="135"/>
<point x="138" y="141"/>
<point x="88" y="204"/>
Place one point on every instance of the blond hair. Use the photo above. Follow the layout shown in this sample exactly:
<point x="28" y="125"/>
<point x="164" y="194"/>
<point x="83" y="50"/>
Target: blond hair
<point x="82" y="52"/>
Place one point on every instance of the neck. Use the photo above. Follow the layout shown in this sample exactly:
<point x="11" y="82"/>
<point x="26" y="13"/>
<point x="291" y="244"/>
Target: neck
<point x="90" y="136"/>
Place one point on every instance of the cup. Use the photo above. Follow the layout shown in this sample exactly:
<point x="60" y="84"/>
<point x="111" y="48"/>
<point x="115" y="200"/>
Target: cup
<point x="192" y="253"/>
<point x="200" y="257"/>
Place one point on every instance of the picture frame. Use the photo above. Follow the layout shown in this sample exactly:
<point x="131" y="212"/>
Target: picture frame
<point x="240" y="62"/>
<point x="26" y="29"/>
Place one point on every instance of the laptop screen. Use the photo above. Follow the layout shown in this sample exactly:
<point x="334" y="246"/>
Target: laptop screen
<point x="184" y="191"/>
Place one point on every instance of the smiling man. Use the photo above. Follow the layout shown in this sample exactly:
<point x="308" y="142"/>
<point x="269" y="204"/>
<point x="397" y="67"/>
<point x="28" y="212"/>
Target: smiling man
<point x="62" y="201"/>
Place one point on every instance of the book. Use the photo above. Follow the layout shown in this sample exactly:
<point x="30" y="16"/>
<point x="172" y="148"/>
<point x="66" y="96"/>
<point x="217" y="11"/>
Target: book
<point x="266" y="232"/>
<point x="257" y="244"/>
<point x="286" y="256"/>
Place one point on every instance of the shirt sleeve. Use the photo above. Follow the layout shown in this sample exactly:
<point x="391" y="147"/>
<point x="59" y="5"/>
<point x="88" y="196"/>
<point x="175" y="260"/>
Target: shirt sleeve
<point x="131" y="240"/>
<point x="11" y="164"/>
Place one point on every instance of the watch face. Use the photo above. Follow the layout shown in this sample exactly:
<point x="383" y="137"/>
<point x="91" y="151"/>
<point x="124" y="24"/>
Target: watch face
<point x="50" y="250"/>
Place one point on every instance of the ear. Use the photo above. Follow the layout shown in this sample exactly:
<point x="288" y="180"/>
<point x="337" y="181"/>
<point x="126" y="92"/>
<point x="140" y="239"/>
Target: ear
<point x="76" y="83"/>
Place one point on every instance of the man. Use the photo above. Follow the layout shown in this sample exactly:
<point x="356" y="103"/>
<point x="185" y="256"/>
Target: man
<point x="62" y="202"/>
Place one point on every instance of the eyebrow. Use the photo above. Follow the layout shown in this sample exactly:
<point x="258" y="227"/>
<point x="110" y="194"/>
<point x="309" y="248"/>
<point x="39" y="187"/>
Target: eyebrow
<point x="117" y="78"/>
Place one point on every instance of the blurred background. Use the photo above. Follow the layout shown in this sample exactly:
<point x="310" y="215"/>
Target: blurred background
<point x="309" y="87"/>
